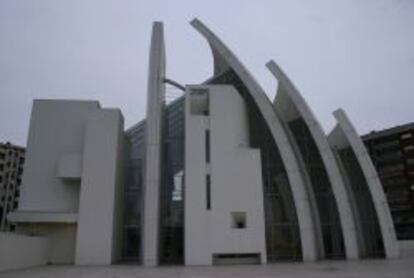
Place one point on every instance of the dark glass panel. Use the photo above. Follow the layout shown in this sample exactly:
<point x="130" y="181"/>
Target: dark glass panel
<point x="172" y="186"/>
<point x="368" y="222"/>
<point x="325" y="199"/>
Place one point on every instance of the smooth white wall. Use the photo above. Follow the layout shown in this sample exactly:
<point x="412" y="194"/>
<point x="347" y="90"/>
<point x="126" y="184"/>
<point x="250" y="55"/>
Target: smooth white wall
<point x="20" y="251"/>
<point x="99" y="187"/>
<point x="57" y="128"/>
<point x="73" y="147"/>
<point x="236" y="181"/>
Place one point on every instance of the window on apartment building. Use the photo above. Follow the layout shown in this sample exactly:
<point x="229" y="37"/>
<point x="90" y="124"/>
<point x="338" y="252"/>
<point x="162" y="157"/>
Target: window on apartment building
<point x="208" y="192"/>
<point x="1" y="167"/>
<point x="2" y="156"/>
<point x="207" y="135"/>
<point x="406" y="135"/>
<point x="409" y="148"/>
<point x="238" y="220"/>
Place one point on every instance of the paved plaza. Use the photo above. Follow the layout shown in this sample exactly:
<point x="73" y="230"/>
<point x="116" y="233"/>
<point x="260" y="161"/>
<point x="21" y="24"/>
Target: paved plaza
<point x="400" y="268"/>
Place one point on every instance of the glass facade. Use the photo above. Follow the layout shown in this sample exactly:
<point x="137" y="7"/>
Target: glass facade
<point x="325" y="199"/>
<point x="282" y="230"/>
<point x="131" y="250"/>
<point x="172" y="187"/>
<point x="372" y="244"/>
<point x="171" y="240"/>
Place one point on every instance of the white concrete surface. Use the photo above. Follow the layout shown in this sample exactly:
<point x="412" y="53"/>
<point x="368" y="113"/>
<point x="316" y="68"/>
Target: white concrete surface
<point x="71" y="184"/>
<point x="287" y="93"/>
<point x="70" y="166"/>
<point x="153" y="146"/>
<point x="42" y="217"/>
<point x="21" y="251"/>
<point x="99" y="187"/>
<point x="57" y="127"/>
<point x="235" y="174"/>
<point x="225" y="59"/>
<point x="344" y="135"/>
<point x="399" y="268"/>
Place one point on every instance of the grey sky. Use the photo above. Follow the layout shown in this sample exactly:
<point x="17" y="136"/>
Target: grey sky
<point x="358" y="55"/>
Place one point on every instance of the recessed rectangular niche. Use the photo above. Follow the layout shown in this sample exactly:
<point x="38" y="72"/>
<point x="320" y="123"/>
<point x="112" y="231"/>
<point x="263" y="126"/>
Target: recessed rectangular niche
<point x="238" y="220"/>
<point x="199" y="102"/>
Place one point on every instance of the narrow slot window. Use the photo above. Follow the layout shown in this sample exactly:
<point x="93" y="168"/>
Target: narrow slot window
<point x="207" y="134"/>
<point x="208" y="192"/>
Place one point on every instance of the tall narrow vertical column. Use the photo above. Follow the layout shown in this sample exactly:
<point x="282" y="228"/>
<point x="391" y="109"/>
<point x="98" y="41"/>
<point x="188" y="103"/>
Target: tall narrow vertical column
<point x="153" y="146"/>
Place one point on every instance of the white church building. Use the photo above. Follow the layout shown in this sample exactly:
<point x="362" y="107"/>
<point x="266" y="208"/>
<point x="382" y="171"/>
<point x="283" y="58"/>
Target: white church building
<point x="219" y="175"/>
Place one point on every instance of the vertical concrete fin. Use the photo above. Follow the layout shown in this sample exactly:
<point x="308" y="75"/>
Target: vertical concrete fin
<point x="225" y="59"/>
<point x="153" y="146"/>
<point x="338" y="186"/>
<point x="346" y="135"/>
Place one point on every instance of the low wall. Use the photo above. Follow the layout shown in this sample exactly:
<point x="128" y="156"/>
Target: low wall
<point x="406" y="248"/>
<point x="20" y="251"/>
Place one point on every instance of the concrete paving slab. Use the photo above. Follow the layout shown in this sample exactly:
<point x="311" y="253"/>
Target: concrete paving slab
<point x="398" y="268"/>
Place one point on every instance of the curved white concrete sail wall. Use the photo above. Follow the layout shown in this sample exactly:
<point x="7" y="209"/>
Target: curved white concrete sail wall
<point x="338" y="186"/>
<point x="153" y="146"/>
<point x="345" y="135"/>
<point x="225" y="59"/>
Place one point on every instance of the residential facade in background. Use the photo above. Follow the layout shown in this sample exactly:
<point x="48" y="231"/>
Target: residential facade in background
<point x="392" y="152"/>
<point x="11" y="169"/>
<point x="219" y="175"/>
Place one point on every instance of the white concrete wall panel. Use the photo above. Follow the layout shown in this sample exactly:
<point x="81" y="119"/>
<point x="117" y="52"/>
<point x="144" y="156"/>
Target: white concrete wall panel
<point x="99" y="187"/>
<point x="57" y="127"/>
<point x="153" y="146"/>
<point x="70" y="166"/>
<point x="224" y="58"/>
<point x="21" y="251"/>
<point x="236" y="181"/>
<point x="344" y="135"/>
<point x="341" y="194"/>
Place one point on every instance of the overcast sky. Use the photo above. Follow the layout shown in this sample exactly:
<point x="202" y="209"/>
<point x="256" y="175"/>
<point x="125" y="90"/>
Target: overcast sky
<point x="358" y="55"/>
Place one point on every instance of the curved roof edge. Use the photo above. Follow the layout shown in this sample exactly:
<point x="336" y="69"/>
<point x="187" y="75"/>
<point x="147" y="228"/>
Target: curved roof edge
<point x="349" y="134"/>
<point x="338" y="186"/>
<point x="223" y="59"/>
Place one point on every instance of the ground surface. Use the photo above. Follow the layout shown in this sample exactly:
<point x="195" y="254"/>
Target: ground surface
<point x="401" y="268"/>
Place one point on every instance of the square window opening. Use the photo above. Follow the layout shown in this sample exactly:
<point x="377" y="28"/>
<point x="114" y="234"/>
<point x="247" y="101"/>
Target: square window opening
<point x="238" y="219"/>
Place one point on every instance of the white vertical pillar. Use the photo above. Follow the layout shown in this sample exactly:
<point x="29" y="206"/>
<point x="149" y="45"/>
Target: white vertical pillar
<point x="153" y="146"/>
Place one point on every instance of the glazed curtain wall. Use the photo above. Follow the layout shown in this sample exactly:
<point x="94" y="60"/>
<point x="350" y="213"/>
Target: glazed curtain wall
<point x="131" y="247"/>
<point x="172" y="187"/>
<point x="373" y="246"/>
<point x="171" y="200"/>
<point x="328" y="212"/>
